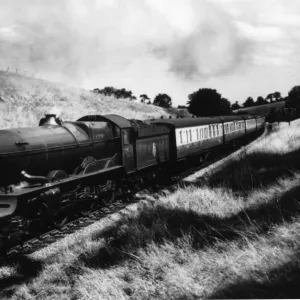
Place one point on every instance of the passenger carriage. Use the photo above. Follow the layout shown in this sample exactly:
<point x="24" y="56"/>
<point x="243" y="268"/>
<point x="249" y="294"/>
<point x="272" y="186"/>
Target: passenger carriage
<point x="191" y="136"/>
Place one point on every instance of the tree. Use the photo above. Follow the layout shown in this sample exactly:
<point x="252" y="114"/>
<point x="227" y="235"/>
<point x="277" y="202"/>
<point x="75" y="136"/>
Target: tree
<point x="261" y="101"/>
<point x="270" y="97"/>
<point x="118" y="93"/>
<point x="207" y="102"/>
<point x="249" y="102"/>
<point x="107" y="91"/>
<point x="144" y="97"/>
<point x="277" y="96"/>
<point x="225" y="107"/>
<point x="294" y="97"/>
<point x="163" y="100"/>
<point x="235" y="106"/>
<point x="123" y="93"/>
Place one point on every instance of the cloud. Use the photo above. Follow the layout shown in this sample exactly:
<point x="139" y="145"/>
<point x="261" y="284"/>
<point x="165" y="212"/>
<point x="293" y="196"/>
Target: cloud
<point x="72" y="40"/>
<point x="260" y="33"/>
<point x="272" y="26"/>
<point x="213" y="49"/>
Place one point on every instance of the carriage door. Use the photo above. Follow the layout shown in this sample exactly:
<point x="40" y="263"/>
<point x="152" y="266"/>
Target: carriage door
<point x="128" y="150"/>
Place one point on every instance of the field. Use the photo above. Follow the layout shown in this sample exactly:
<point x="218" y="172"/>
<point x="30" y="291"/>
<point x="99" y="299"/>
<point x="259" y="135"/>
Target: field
<point x="230" y="232"/>
<point x="261" y="109"/>
<point x="26" y="100"/>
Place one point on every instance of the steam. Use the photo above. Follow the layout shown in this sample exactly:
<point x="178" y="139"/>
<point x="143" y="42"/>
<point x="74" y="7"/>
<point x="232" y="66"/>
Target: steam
<point x="72" y="40"/>
<point x="56" y="111"/>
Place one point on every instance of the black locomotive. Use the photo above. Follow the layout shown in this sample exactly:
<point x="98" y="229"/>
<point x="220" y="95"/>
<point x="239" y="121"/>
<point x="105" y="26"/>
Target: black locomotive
<point x="49" y="169"/>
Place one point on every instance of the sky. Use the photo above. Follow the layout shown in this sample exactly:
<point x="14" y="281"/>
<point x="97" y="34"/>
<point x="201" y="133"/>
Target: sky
<point x="241" y="48"/>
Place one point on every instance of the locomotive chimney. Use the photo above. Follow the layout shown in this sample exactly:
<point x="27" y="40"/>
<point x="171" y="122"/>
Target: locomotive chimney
<point x="50" y="119"/>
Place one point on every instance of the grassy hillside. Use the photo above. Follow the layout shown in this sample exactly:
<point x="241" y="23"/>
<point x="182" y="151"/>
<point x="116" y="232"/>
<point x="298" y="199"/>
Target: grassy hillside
<point x="261" y="109"/>
<point x="26" y="100"/>
<point x="232" y="233"/>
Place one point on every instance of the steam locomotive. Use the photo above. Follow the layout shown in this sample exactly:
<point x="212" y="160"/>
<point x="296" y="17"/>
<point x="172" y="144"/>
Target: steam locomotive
<point x="48" y="170"/>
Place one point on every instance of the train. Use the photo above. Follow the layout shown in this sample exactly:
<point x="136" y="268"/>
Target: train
<point x="48" y="170"/>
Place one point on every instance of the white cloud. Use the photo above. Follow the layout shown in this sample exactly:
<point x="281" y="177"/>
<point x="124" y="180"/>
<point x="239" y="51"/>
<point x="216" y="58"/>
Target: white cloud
<point x="260" y="33"/>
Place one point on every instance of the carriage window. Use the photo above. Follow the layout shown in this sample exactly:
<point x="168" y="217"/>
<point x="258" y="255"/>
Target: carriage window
<point x="217" y="130"/>
<point x="180" y="135"/>
<point x="197" y="131"/>
<point x="209" y="131"/>
<point x="187" y="136"/>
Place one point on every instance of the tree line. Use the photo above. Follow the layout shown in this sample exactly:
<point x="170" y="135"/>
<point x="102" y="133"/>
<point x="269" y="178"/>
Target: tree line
<point x="206" y="101"/>
<point x="270" y="98"/>
<point x="162" y="100"/>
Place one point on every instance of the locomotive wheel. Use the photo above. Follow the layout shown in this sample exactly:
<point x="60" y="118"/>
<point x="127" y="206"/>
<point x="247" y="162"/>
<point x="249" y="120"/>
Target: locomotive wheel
<point x="55" y="219"/>
<point x="59" y="220"/>
<point x="109" y="190"/>
<point x="88" y="210"/>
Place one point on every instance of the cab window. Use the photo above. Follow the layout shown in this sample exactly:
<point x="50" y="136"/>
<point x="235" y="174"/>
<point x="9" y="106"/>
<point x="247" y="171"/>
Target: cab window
<point x="126" y="139"/>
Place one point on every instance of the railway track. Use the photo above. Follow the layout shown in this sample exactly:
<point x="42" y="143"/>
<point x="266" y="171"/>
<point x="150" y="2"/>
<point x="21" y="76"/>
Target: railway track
<point x="46" y="238"/>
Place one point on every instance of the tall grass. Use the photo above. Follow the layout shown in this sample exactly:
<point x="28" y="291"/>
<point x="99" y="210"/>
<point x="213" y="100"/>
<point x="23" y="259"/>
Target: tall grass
<point x="26" y="100"/>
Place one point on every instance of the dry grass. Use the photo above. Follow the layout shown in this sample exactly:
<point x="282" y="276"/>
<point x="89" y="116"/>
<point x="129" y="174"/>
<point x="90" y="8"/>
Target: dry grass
<point x="26" y="100"/>
<point x="233" y="235"/>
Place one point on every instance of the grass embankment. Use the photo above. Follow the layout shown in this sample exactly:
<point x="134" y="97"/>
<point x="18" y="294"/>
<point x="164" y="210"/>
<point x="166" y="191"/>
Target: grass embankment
<point x="233" y="234"/>
<point x="261" y="109"/>
<point x="26" y="100"/>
